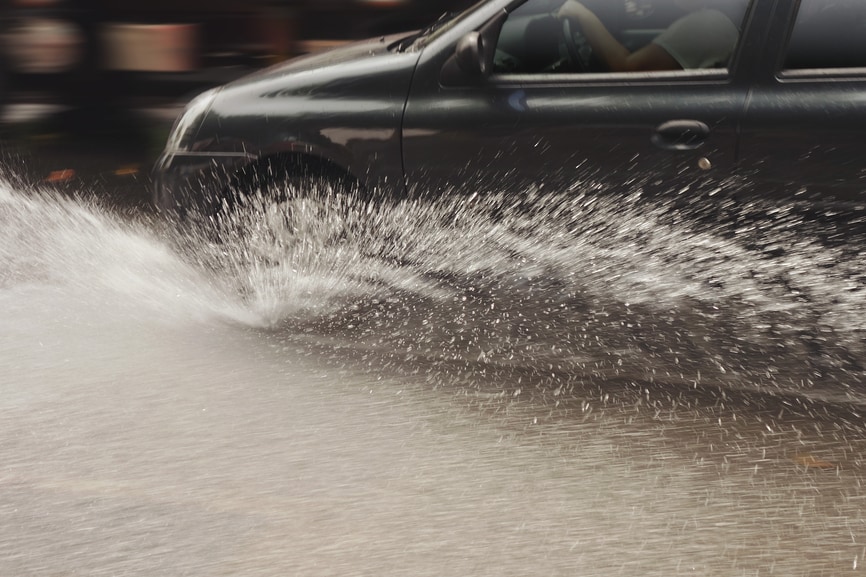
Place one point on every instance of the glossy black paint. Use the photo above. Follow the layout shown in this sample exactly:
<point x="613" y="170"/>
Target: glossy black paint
<point x="386" y="119"/>
<point x="343" y="106"/>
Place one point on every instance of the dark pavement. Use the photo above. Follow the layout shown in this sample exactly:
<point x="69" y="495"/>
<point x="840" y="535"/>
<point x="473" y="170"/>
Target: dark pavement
<point x="109" y="157"/>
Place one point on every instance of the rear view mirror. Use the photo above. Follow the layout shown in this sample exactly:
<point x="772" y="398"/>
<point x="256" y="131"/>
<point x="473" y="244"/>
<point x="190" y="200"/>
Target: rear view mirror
<point x="473" y="56"/>
<point x="470" y="55"/>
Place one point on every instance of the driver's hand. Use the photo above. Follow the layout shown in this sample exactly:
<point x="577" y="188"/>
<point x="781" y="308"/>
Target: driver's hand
<point x="574" y="10"/>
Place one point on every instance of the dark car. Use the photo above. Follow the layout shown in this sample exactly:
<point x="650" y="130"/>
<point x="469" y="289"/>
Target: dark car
<point x="513" y="93"/>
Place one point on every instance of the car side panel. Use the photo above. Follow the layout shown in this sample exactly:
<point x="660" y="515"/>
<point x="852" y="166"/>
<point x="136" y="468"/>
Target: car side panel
<point x="520" y="134"/>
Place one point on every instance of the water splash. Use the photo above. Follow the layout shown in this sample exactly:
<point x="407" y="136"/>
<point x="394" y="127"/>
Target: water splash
<point x="577" y="282"/>
<point x="78" y="249"/>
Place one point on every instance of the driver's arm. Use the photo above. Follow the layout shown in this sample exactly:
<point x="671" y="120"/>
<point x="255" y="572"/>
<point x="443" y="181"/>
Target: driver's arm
<point x="613" y="54"/>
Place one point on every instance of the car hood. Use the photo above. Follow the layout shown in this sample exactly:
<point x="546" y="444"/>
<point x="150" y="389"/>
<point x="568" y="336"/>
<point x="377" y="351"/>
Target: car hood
<point x="355" y="52"/>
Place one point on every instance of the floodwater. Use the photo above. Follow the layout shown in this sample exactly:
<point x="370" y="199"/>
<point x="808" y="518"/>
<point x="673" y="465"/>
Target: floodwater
<point x="426" y="388"/>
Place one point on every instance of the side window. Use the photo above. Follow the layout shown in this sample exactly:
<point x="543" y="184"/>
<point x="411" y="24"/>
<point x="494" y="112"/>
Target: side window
<point x="828" y="34"/>
<point x="551" y="36"/>
<point x="533" y="41"/>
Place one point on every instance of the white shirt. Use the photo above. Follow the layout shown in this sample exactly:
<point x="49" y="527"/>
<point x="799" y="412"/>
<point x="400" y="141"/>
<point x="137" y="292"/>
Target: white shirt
<point x="702" y="39"/>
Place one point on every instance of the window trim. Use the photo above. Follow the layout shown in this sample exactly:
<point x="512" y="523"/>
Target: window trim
<point x="716" y="75"/>
<point x="842" y="73"/>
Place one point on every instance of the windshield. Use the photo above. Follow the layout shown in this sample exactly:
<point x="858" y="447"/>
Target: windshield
<point x="440" y="25"/>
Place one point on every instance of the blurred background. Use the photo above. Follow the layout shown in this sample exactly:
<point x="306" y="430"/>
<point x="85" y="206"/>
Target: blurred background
<point x="97" y="77"/>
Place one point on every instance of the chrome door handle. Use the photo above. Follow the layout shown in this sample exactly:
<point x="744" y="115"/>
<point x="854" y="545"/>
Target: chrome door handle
<point x="680" y="134"/>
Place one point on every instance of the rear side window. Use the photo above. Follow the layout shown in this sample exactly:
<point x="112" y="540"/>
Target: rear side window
<point x="828" y="34"/>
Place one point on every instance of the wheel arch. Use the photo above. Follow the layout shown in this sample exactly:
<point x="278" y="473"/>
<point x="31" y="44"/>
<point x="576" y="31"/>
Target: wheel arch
<point x="271" y="168"/>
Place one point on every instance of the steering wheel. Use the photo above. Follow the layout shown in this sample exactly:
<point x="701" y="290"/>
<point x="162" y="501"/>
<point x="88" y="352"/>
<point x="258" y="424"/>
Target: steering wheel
<point x="571" y="47"/>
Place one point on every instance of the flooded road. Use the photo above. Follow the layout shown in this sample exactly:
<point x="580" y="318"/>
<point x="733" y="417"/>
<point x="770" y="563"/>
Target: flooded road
<point x="425" y="389"/>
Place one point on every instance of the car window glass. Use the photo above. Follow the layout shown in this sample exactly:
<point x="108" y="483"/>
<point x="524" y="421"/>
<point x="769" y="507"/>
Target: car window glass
<point x="828" y="34"/>
<point x="556" y="36"/>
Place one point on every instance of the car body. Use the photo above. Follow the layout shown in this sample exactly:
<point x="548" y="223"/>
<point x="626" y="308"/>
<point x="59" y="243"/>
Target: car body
<point x="448" y="109"/>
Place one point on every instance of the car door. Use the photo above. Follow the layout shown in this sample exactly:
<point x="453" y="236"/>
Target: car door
<point x="805" y="127"/>
<point x="520" y="127"/>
